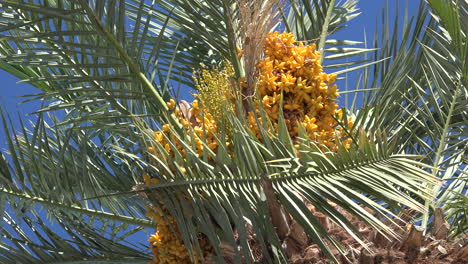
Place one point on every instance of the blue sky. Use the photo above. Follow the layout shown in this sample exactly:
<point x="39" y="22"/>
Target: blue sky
<point x="366" y="22"/>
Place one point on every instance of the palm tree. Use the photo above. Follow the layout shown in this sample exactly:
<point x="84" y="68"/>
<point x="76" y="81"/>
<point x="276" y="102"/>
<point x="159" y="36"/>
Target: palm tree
<point x="105" y="71"/>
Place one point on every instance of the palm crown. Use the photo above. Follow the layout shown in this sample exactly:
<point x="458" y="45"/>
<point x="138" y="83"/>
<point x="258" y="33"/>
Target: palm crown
<point x="110" y="73"/>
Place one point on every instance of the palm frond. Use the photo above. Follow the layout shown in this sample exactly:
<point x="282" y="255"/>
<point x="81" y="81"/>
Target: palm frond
<point x="54" y="171"/>
<point x="424" y="105"/>
<point x="109" y="67"/>
<point x="306" y="18"/>
<point x="446" y="63"/>
<point x="227" y="196"/>
<point x="456" y="202"/>
<point x="81" y="53"/>
<point x="316" y="21"/>
<point x="32" y="240"/>
<point x="50" y="173"/>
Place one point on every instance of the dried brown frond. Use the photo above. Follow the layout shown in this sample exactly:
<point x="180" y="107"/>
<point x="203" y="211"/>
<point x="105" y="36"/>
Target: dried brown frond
<point x="257" y="18"/>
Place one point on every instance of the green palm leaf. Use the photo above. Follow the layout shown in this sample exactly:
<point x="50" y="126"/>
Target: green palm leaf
<point x="32" y="240"/>
<point x="108" y="67"/>
<point x="231" y="187"/>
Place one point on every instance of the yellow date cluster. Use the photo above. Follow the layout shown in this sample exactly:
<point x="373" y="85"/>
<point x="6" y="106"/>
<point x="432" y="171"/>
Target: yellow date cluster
<point x="198" y="122"/>
<point x="292" y="75"/>
<point x="166" y="246"/>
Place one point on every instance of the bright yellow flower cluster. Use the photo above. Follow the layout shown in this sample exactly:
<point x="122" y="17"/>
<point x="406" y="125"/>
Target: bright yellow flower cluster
<point x="215" y="90"/>
<point x="293" y="73"/>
